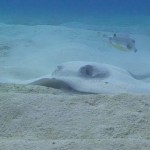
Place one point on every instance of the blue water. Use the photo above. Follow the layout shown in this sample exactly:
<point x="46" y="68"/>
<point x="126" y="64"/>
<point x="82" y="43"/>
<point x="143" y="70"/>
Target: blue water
<point x="134" y="12"/>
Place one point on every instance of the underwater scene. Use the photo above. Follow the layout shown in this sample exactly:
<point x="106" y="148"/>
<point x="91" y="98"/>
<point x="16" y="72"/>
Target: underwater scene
<point x="74" y="74"/>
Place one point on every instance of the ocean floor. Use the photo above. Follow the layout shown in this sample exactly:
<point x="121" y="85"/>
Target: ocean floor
<point x="34" y="117"/>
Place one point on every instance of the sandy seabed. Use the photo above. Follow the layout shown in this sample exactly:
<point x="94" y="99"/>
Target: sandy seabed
<point x="40" y="118"/>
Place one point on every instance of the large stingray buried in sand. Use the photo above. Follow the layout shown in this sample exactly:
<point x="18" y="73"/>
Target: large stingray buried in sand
<point x="91" y="77"/>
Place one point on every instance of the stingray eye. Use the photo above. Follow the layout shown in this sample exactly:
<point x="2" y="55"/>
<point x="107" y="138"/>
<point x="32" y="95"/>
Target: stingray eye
<point x="93" y="72"/>
<point x="59" y="68"/>
<point x="86" y="71"/>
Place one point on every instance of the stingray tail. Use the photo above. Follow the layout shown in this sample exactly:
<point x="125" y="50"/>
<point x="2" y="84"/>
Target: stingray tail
<point x="140" y="77"/>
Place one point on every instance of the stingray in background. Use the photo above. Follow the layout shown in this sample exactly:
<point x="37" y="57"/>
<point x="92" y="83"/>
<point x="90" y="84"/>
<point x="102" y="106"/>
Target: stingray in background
<point x="92" y="77"/>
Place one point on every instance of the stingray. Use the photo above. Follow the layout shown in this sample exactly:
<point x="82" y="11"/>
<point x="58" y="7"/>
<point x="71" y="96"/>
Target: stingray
<point x="92" y="77"/>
